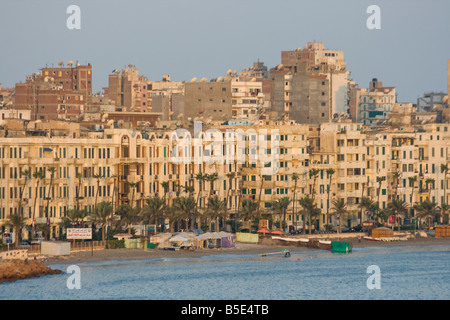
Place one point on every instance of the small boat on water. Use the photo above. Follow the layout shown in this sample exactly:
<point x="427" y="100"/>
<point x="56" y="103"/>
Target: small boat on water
<point x="285" y="252"/>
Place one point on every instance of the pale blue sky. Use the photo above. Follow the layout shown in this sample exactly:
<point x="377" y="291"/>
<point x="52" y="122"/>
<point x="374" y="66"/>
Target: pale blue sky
<point x="204" y="38"/>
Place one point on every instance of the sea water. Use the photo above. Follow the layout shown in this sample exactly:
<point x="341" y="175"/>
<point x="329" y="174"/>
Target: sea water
<point x="403" y="273"/>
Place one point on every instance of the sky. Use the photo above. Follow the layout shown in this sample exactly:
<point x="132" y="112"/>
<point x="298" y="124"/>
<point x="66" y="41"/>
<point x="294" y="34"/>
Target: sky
<point x="205" y="38"/>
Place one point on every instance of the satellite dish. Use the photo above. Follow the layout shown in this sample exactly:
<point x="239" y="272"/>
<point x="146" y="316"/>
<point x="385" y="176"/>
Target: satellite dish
<point x="110" y="122"/>
<point x="280" y="66"/>
<point x="194" y="79"/>
<point x="70" y="63"/>
<point x="60" y="63"/>
<point x="219" y="79"/>
<point x="105" y="116"/>
<point x="171" y="113"/>
<point x="131" y="65"/>
<point x="203" y="80"/>
<point x="116" y="71"/>
<point x="253" y="80"/>
<point x="234" y="72"/>
<point x="229" y="72"/>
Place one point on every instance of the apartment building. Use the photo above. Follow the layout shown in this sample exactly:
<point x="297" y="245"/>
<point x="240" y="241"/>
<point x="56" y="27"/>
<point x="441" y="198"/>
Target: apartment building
<point x="374" y="104"/>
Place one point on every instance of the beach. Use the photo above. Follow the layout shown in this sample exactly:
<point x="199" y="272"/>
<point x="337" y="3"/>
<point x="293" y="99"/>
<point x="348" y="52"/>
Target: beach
<point x="241" y="248"/>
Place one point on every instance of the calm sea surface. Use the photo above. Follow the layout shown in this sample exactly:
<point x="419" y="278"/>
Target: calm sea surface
<point x="405" y="273"/>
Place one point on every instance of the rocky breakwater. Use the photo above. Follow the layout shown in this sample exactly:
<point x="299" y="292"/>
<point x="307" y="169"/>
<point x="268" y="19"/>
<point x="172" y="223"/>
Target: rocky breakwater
<point x="24" y="269"/>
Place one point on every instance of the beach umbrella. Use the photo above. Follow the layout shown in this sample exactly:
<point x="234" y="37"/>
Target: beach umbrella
<point x="278" y="232"/>
<point x="263" y="230"/>
<point x="123" y="235"/>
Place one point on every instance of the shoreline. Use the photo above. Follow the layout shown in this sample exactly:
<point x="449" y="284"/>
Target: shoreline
<point x="240" y="249"/>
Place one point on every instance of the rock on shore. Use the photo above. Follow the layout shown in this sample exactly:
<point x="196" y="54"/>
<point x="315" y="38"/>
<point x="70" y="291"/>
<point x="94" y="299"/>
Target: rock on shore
<point x="15" y="270"/>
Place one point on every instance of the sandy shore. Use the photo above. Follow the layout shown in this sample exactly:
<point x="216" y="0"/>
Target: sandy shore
<point x="16" y="270"/>
<point x="241" y="248"/>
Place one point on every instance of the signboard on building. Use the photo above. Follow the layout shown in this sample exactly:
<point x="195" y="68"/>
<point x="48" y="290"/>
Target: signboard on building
<point x="79" y="233"/>
<point x="391" y="219"/>
<point x="151" y="230"/>
<point x="264" y="224"/>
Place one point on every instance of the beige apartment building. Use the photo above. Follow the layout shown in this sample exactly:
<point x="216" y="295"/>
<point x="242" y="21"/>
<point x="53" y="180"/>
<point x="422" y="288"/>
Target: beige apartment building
<point x="125" y="166"/>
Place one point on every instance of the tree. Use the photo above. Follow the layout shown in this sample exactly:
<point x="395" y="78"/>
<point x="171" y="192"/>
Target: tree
<point x="74" y="216"/>
<point x="128" y="216"/>
<point x="444" y="209"/>
<point x="153" y="209"/>
<point x="165" y="186"/>
<point x="98" y="177"/>
<point x="379" y="180"/>
<point x="340" y="210"/>
<point x="17" y="222"/>
<point x="366" y="204"/>
<point x="295" y="178"/>
<point x="310" y="209"/>
<point x="38" y="175"/>
<point x="280" y="207"/>
<point x="216" y="209"/>
<point x="445" y="170"/>
<point x="412" y="182"/>
<point x="52" y="175"/>
<point x="230" y="176"/>
<point x="80" y="178"/>
<point x="426" y="210"/>
<point x="398" y="208"/>
<point x="314" y="173"/>
<point x="186" y="207"/>
<point x="248" y="209"/>
<point x="201" y="179"/>
<point x="27" y="174"/>
<point x="101" y="215"/>
<point x="330" y="173"/>
<point x="429" y="181"/>
<point x="395" y="181"/>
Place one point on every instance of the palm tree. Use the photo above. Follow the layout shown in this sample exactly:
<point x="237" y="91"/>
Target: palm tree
<point x="133" y="185"/>
<point x="260" y="193"/>
<point x="248" y="209"/>
<point x="153" y="209"/>
<point x="314" y="173"/>
<point x="395" y="176"/>
<point x="186" y="207"/>
<point x="200" y="178"/>
<point x="52" y="171"/>
<point x="27" y="174"/>
<point x="74" y="216"/>
<point x="38" y="175"/>
<point x="310" y="209"/>
<point x="216" y="209"/>
<point x="295" y="178"/>
<point x="330" y="173"/>
<point x="101" y="215"/>
<point x="98" y="177"/>
<point x="230" y="176"/>
<point x="79" y="177"/>
<point x="398" y="208"/>
<point x="379" y="180"/>
<point x="427" y="210"/>
<point x="211" y="178"/>
<point x="280" y="207"/>
<point x="128" y="216"/>
<point x="445" y="170"/>
<point x="366" y="204"/>
<point x="412" y="182"/>
<point x="340" y="209"/>
<point x="17" y="222"/>
<point x="429" y="181"/>
<point x="165" y="186"/>
<point x="444" y="208"/>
